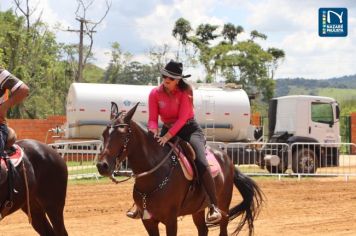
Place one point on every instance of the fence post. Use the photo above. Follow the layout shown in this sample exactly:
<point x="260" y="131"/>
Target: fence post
<point x="290" y="158"/>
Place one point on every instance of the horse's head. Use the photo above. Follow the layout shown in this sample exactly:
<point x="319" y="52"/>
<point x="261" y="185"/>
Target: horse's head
<point x="116" y="137"/>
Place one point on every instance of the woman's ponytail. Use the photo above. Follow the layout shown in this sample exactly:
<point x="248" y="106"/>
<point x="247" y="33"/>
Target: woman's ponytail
<point x="186" y="87"/>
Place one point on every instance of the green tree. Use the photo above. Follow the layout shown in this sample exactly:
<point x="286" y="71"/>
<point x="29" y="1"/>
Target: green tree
<point x="205" y="33"/>
<point x="230" y="32"/>
<point x="277" y="55"/>
<point x="255" y="34"/>
<point x="115" y="65"/>
<point x="32" y="54"/>
<point x="244" y="62"/>
<point x="181" y="30"/>
<point x="138" y="73"/>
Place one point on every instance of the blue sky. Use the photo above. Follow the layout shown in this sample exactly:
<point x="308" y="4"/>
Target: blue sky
<point x="290" y="25"/>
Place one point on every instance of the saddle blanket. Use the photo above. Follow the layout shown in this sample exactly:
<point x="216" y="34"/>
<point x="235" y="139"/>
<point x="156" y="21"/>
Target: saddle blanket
<point x="215" y="168"/>
<point x="15" y="157"/>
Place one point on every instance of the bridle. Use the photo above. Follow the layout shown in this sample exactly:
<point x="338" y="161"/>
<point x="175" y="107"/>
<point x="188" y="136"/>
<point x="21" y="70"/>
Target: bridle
<point x="121" y="155"/>
<point x="126" y="140"/>
<point x="123" y="151"/>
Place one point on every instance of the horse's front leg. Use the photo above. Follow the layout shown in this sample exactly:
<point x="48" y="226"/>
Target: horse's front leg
<point x="171" y="227"/>
<point x="151" y="226"/>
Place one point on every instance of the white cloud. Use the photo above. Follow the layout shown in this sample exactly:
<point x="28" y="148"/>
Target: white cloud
<point x="282" y="16"/>
<point x="293" y="27"/>
<point x="290" y="25"/>
<point x="157" y="27"/>
<point x="49" y="15"/>
<point x="102" y="56"/>
<point x="308" y="55"/>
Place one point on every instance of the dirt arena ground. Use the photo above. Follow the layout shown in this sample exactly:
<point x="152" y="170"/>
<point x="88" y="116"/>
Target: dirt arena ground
<point x="324" y="206"/>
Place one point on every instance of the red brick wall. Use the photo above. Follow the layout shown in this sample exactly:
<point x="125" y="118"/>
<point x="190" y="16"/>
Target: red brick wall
<point x="36" y="128"/>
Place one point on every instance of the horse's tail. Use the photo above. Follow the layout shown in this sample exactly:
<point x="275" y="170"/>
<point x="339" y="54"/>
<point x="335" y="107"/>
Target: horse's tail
<point x="250" y="206"/>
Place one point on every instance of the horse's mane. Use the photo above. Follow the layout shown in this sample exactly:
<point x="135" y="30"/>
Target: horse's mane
<point x="142" y="127"/>
<point x="149" y="135"/>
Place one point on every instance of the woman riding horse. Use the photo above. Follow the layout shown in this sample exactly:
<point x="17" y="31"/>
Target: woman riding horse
<point x="173" y="102"/>
<point x="162" y="192"/>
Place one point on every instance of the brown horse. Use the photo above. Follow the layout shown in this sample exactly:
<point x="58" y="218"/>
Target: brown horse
<point x="161" y="191"/>
<point x="39" y="185"/>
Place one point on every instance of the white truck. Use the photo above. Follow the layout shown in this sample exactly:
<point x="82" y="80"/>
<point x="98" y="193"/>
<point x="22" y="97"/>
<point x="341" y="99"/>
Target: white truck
<point x="312" y="121"/>
<point x="224" y="114"/>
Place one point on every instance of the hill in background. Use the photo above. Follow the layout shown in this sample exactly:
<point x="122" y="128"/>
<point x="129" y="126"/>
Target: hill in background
<point x="93" y="74"/>
<point x="342" y="88"/>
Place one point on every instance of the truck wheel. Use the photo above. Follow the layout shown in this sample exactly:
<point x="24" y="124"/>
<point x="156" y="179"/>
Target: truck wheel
<point x="304" y="161"/>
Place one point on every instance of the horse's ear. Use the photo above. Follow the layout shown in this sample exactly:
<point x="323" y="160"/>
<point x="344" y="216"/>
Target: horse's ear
<point x="114" y="110"/>
<point x="130" y="113"/>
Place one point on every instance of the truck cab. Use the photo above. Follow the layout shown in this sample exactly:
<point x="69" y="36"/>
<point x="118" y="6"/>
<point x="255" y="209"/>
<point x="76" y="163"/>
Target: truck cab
<point x="311" y="121"/>
<point x="305" y="118"/>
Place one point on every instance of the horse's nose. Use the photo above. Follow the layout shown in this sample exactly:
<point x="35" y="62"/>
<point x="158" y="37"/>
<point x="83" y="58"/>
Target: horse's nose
<point x="103" y="167"/>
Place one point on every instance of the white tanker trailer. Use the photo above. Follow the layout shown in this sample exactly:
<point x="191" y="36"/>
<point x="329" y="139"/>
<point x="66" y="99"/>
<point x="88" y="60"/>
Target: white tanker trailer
<point x="223" y="113"/>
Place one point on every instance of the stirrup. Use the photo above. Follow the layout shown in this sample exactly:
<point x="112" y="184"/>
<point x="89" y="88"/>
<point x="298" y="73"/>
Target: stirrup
<point x="133" y="213"/>
<point x="213" y="216"/>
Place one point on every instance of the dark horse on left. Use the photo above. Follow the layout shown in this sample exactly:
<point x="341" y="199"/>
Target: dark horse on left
<point x="37" y="186"/>
<point x="161" y="192"/>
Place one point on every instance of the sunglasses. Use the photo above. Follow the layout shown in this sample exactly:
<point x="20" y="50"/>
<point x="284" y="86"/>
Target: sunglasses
<point x="167" y="77"/>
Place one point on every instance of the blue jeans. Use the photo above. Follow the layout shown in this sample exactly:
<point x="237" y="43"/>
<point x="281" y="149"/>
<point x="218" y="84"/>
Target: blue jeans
<point x="3" y="138"/>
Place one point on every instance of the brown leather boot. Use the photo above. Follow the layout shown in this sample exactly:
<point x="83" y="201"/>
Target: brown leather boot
<point x="214" y="214"/>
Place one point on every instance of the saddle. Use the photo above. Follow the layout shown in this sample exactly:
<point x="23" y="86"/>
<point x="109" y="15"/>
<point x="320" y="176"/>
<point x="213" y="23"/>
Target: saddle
<point x="12" y="151"/>
<point x="10" y="148"/>
<point x="186" y="157"/>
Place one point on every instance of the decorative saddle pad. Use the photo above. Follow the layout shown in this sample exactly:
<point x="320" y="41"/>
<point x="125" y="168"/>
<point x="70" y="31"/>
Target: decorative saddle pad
<point x="15" y="157"/>
<point x="215" y="168"/>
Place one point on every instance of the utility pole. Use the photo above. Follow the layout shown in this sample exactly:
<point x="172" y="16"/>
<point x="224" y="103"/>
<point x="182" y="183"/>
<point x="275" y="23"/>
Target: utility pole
<point x="80" y="61"/>
<point x="81" y="31"/>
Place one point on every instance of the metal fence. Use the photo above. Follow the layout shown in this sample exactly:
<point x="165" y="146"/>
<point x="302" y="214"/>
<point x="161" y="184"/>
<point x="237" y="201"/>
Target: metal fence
<point x="301" y="159"/>
<point x="257" y="158"/>
<point x="80" y="157"/>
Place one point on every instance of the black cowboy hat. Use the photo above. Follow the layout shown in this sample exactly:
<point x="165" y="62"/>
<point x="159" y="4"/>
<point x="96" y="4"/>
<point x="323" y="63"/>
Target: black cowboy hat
<point x="174" y="70"/>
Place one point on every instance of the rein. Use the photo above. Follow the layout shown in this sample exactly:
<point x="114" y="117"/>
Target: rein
<point x="124" y="149"/>
<point x="157" y="166"/>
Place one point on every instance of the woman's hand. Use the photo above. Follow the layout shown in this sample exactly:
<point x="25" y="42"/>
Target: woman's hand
<point x="163" y="140"/>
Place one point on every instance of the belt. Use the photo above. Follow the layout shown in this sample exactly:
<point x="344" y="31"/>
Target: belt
<point x="169" y="125"/>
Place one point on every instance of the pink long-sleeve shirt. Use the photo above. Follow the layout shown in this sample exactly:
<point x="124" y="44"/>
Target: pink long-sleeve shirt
<point x="174" y="109"/>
